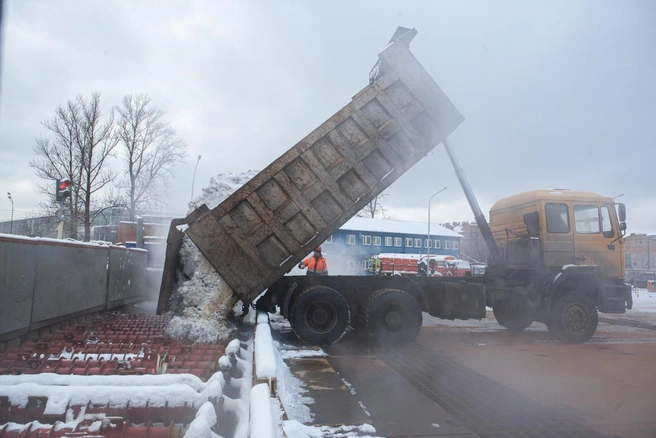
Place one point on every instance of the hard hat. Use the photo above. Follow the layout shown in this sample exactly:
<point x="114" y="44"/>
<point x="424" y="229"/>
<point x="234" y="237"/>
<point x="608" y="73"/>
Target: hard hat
<point x="318" y="248"/>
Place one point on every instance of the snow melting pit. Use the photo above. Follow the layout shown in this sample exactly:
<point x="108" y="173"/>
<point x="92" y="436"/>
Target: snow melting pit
<point x="158" y="388"/>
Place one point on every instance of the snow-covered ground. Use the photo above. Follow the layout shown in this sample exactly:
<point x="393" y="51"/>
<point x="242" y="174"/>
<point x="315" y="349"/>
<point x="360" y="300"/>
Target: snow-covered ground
<point x="644" y="301"/>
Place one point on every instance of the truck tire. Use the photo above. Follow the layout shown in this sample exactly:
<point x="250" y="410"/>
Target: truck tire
<point x="573" y="319"/>
<point x="512" y="315"/>
<point x="392" y="316"/>
<point x="320" y="316"/>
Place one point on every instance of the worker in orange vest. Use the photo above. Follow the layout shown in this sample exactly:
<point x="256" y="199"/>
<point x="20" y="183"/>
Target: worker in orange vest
<point x="315" y="264"/>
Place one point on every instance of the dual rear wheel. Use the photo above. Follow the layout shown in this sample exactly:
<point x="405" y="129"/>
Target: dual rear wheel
<point x="320" y="316"/>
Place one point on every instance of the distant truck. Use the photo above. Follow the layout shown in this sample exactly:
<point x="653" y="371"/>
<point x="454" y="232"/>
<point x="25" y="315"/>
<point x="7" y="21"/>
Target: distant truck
<point x="556" y="257"/>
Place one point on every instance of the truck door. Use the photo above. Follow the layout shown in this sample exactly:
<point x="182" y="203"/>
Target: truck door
<point x="593" y="234"/>
<point x="558" y="246"/>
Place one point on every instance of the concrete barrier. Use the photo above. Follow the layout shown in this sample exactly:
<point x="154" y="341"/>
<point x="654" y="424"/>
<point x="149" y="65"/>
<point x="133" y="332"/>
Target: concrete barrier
<point x="45" y="281"/>
<point x="17" y="267"/>
<point x="70" y="279"/>
<point x="127" y="276"/>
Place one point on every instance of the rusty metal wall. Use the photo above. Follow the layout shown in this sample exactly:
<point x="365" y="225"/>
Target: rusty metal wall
<point x="17" y="267"/>
<point x="260" y="232"/>
<point x="127" y="279"/>
<point x="43" y="281"/>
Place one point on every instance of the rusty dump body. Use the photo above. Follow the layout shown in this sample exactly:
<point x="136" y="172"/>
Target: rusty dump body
<point x="267" y="226"/>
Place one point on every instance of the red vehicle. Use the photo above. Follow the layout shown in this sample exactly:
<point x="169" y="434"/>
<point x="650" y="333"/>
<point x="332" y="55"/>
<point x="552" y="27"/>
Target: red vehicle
<point x="394" y="264"/>
<point x="415" y="264"/>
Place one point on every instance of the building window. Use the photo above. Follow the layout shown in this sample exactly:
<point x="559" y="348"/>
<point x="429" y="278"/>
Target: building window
<point x="408" y="242"/>
<point x="377" y="240"/>
<point x="329" y="239"/>
<point x="398" y="241"/>
<point x="438" y="244"/>
<point x="455" y="244"/>
<point x="447" y="244"/>
<point x="350" y="265"/>
<point x="428" y="243"/>
<point x="388" y="241"/>
<point x="350" y="239"/>
<point x="417" y="243"/>
<point x="366" y="240"/>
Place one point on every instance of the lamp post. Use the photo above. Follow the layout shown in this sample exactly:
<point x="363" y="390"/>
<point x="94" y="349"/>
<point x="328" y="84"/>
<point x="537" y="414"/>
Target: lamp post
<point x="193" y="181"/>
<point x="428" y="247"/>
<point x="11" y="223"/>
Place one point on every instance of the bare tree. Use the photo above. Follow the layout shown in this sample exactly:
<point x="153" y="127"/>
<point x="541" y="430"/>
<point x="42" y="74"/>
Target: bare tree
<point x="56" y="158"/>
<point x="150" y="150"/>
<point x="376" y="208"/>
<point x="95" y="146"/>
<point x="77" y="147"/>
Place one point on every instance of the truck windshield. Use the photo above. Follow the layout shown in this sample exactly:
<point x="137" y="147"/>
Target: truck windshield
<point x="586" y="219"/>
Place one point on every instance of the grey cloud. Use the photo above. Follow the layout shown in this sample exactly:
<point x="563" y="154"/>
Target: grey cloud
<point x="556" y="94"/>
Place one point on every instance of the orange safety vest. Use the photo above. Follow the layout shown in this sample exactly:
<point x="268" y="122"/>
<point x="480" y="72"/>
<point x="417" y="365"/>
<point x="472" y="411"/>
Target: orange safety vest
<point x="315" y="265"/>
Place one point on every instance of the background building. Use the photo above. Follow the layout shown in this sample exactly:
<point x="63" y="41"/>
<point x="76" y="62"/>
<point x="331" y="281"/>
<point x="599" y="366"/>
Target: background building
<point x="348" y="249"/>
<point x="472" y="245"/>
<point x="640" y="251"/>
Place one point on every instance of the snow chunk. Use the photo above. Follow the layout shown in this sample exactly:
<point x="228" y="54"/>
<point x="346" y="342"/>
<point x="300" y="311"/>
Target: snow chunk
<point x="224" y="363"/>
<point x="202" y="425"/>
<point x="233" y="347"/>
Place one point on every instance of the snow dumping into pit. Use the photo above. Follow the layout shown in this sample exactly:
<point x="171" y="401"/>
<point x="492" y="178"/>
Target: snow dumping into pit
<point x="202" y="299"/>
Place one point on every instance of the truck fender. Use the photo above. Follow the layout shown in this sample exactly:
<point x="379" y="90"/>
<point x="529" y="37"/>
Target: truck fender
<point x="573" y="278"/>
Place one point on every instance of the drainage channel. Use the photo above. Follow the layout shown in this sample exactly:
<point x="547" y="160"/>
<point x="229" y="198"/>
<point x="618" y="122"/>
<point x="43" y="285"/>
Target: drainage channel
<point x="487" y="408"/>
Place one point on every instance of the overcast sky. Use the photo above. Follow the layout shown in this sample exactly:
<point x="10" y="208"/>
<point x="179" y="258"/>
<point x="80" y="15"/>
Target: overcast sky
<point x="554" y="94"/>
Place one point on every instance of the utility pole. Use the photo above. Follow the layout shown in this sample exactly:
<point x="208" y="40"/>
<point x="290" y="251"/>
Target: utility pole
<point x="11" y="223"/>
<point x="193" y="180"/>
<point x="428" y="247"/>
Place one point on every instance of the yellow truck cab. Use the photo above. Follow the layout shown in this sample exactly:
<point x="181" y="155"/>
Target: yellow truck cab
<point x="555" y="244"/>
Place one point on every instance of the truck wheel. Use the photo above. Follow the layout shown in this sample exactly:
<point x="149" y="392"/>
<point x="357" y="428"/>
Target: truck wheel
<point x="320" y="316"/>
<point x="392" y="316"/>
<point x="512" y="315"/>
<point x="574" y="319"/>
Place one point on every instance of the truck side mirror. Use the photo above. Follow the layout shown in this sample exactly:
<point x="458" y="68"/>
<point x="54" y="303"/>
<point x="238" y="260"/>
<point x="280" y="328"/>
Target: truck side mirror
<point x="621" y="209"/>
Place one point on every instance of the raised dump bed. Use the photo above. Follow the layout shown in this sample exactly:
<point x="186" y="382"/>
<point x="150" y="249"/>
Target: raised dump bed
<point x="267" y="226"/>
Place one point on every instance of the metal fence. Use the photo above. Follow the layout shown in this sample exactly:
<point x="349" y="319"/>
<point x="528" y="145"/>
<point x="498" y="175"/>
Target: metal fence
<point x="45" y="281"/>
<point x="639" y="277"/>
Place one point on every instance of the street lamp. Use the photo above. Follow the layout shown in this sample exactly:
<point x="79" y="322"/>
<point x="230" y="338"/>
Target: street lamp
<point x="428" y="247"/>
<point x="193" y="181"/>
<point x="11" y="224"/>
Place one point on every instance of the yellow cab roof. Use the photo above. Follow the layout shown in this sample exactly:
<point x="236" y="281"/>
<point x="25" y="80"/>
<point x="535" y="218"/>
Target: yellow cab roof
<point x="548" y="195"/>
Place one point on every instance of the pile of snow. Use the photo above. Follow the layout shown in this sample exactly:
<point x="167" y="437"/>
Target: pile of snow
<point x="202" y="299"/>
<point x="643" y="301"/>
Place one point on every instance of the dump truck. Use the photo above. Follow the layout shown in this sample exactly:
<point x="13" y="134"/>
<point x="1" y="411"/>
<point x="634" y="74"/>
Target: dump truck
<point x="537" y="271"/>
